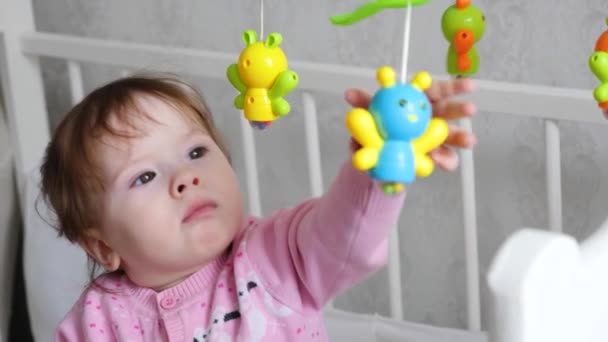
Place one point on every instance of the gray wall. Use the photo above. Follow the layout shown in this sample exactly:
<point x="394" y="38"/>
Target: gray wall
<point x="509" y="158"/>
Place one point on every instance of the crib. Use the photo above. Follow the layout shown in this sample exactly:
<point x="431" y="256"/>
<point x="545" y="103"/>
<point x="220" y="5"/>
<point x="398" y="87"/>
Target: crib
<point x="543" y="285"/>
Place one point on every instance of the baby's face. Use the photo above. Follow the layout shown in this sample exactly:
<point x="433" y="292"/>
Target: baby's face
<point x="172" y="200"/>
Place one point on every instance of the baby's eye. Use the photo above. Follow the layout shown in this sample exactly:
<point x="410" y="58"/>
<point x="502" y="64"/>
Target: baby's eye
<point x="144" y="178"/>
<point x="197" y="152"/>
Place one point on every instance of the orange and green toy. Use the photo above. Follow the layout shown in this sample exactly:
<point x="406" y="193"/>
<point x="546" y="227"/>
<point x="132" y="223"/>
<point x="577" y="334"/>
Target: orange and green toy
<point x="463" y="25"/>
<point x="598" y="62"/>
<point x="262" y="78"/>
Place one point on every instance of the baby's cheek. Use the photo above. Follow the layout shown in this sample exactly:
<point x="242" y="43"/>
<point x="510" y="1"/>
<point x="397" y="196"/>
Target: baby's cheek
<point x="123" y="215"/>
<point x="144" y="232"/>
<point x="152" y="218"/>
<point x="211" y="236"/>
<point x="215" y="239"/>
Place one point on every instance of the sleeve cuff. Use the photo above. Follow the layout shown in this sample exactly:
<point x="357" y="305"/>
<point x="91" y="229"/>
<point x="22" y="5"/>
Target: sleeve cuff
<point x="358" y="190"/>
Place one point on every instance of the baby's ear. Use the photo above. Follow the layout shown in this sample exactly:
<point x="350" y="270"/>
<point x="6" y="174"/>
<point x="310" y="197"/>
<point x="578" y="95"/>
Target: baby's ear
<point x="96" y="247"/>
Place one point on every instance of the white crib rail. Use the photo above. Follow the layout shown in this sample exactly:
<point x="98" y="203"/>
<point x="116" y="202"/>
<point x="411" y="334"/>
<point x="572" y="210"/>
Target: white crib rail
<point x="500" y="97"/>
<point x="22" y="89"/>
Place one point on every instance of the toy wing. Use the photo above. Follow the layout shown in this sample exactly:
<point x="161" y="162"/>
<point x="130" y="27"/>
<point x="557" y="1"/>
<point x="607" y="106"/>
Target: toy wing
<point x="235" y="79"/>
<point x="363" y="128"/>
<point x="432" y="138"/>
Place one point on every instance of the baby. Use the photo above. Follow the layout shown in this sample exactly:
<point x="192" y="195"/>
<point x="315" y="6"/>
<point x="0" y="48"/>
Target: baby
<point x="138" y="176"/>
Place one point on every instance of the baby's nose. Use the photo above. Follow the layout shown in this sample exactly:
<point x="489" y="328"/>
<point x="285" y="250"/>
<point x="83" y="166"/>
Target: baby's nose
<point x="181" y="187"/>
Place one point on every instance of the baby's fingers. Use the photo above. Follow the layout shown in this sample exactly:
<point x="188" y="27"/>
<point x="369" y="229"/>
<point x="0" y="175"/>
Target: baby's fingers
<point x="357" y="98"/>
<point x="453" y="110"/>
<point x="445" y="158"/>
<point x="447" y="88"/>
<point x="460" y="138"/>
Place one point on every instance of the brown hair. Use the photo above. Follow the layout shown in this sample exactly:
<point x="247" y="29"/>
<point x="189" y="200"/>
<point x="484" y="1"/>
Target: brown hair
<point x="70" y="181"/>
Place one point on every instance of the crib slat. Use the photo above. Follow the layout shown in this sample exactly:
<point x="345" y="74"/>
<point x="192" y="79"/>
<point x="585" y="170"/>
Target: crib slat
<point x="251" y="168"/>
<point x="467" y="173"/>
<point x="312" y="145"/>
<point x="553" y="175"/>
<point x="394" y="276"/>
<point x="76" y="84"/>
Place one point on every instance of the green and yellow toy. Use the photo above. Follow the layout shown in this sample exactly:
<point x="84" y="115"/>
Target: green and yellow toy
<point x="262" y="78"/>
<point x="462" y="25"/>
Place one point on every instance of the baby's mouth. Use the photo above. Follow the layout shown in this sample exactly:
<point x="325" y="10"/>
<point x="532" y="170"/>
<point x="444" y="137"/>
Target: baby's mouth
<point x="199" y="209"/>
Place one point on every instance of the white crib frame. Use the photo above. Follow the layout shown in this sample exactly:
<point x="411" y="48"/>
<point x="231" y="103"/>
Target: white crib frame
<point x="516" y="273"/>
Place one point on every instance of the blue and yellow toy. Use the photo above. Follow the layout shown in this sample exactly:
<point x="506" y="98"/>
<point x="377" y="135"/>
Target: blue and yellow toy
<point x="262" y="78"/>
<point x="598" y="62"/>
<point x="462" y="25"/>
<point x="397" y="131"/>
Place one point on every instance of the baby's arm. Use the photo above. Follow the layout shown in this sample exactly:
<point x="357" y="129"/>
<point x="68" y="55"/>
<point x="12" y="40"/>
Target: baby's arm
<point x="88" y="320"/>
<point x="306" y="255"/>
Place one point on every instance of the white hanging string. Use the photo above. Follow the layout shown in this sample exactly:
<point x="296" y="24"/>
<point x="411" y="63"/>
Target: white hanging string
<point x="253" y="186"/>
<point x="261" y="19"/>
<point x="406" y="41"/>
<point x="394" y="262"/>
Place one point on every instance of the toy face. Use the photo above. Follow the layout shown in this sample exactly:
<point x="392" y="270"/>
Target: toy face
<point x="402" y="112"/>
<point x="467" y="23"/>
<point x="260" y="65"/>
<point x="598" y="62"/>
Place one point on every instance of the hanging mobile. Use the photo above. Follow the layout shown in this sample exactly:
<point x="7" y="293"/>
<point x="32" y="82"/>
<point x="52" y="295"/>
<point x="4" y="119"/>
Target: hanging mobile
<point x="262" y="78"/>
<point x="369" y="9"/>
<point x="462" y="25"/>
<point x="397" y="131"/>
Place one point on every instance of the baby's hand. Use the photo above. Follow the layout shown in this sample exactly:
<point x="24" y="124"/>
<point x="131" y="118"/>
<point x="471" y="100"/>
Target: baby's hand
<point x="439" y="95"/>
